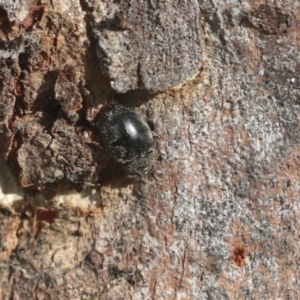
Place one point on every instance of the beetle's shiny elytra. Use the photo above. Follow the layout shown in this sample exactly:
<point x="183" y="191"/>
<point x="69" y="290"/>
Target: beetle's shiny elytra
<point x="126" y="137"/>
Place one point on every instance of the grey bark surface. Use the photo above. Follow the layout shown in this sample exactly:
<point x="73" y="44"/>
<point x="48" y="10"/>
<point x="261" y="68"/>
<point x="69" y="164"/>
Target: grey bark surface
<point x="217" y="217"/>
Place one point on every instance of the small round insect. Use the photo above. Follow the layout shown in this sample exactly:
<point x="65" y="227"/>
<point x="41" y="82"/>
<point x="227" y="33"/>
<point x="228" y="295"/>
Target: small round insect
<point x="127" y="137"/>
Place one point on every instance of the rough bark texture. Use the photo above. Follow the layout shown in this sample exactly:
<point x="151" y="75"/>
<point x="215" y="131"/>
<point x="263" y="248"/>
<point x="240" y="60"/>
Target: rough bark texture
<point x="217" y="218"/>
<point x="148" y="45"/>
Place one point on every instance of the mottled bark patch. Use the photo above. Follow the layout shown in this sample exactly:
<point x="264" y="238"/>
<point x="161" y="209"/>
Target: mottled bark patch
<point x="149" y="45"/>
<point x="270" y="19"/>
<point x="44" y="132"/>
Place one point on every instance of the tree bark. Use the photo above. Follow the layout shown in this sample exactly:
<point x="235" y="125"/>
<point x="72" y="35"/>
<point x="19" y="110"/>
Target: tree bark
<point x="218" y="215"/>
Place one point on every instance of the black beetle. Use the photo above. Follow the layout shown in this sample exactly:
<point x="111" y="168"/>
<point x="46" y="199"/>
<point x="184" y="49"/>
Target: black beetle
<point x="127" y="137"/>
